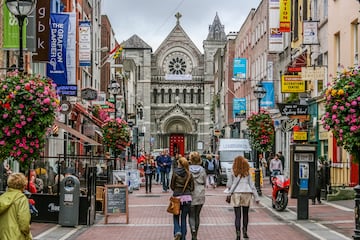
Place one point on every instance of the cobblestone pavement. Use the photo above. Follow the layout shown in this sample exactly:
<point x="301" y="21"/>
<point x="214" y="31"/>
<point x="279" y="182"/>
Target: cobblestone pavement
<point x="148" y="220"/>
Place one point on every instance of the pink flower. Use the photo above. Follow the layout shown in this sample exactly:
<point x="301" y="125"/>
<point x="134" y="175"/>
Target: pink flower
<point x="47" y="101"/>
<point x="5" y="116"/>
<point x="353" y="128"/>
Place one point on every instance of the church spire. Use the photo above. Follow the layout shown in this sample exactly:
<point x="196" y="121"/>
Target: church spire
<point x="216" y="30"/>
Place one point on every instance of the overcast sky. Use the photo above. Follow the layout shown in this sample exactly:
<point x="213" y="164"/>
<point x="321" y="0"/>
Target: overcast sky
<point x="152" y="20"/>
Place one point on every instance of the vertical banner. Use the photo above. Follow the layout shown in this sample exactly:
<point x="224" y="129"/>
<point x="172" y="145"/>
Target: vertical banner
<point x="239" y="69"/>
<point x="285" y="16"/>
<point x="239" y="109"/>
<point x="84" y="43"/>
<point x="310" y="33"/>
<point x="43" y="30"/>
<point x="11" y="30"/>
<point x="31" y="32"/>
<point x="71" y="50"/>
<point x="268" y="101"/>
<point x="276" y="38"/>
<point x="56" y="67"/>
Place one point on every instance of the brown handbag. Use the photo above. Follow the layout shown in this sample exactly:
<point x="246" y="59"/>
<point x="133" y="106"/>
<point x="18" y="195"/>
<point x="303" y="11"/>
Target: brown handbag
<point x="174" y="206"/>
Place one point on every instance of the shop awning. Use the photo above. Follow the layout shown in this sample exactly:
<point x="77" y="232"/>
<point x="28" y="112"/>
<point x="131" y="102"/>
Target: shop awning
<point x="77" y="134"/>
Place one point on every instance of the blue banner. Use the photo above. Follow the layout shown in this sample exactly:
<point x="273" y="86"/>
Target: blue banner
<point x="239" y="108"/>
<point x="239" y="70"/>
<point x="269" y="100"/>
<point x="56" y="67"/>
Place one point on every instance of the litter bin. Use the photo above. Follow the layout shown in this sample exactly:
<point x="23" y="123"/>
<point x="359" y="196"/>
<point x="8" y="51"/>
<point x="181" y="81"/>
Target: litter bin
<point x="69" y="201"/>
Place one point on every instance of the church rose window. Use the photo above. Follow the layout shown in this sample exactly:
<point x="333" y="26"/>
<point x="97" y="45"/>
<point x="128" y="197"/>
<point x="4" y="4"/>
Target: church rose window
<point x="177" y="63"/>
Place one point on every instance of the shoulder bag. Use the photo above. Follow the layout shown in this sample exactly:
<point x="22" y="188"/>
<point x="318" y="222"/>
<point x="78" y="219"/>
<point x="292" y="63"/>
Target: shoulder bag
<point x="174" y="204"/>
<point x="228" y="197"/>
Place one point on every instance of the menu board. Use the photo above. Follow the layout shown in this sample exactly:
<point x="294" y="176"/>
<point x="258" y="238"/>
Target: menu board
<point x="116" y="200"/>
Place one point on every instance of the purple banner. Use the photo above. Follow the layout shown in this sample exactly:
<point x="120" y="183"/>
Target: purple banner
<point x="56" y="67"/>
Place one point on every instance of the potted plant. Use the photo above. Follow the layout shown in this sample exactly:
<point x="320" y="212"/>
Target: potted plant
<point x="261" y="131"/>
<point x="28" y="105"/>
<point x="342" y="110"/>
<point x="116" y="134"/>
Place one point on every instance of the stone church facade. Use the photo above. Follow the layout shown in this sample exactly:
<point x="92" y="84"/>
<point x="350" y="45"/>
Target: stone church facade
<point x="174" y="86"/>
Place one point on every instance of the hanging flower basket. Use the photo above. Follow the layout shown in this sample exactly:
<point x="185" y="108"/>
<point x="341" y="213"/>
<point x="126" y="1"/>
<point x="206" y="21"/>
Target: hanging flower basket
<point x="116" y="134"/>
<point x="342" y="110"/>
<point x="261" y="131"/>
<point x="28" y="105"/>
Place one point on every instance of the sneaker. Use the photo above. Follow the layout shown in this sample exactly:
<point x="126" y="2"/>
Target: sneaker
<point x="177" y="236"/>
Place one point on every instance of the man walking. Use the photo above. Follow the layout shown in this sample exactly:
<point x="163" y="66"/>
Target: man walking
<point x="164" y="162"/>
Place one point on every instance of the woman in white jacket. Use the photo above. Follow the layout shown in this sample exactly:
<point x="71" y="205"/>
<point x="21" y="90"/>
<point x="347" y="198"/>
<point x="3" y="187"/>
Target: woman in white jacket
<point x="243" y="189"/>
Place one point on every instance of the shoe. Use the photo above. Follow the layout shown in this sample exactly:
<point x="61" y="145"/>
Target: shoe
<point x="313" y="202"/>
<point x="164" y="191"/>
<point x="319" y="202"/>
<point x="177" y="236"/>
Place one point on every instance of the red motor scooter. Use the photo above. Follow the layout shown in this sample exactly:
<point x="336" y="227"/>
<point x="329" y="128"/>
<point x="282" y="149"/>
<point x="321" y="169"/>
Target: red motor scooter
<point x="280" y="192"/>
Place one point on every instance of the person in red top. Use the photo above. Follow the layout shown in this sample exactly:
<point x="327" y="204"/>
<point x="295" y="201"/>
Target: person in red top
<point x="31" y="185"/>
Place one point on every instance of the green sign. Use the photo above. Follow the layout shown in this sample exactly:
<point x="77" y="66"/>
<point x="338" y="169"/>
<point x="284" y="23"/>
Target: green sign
<point x="11" y="30"/>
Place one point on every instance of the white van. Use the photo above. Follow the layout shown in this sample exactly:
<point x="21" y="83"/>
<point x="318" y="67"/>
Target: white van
<point x="229" y="148"/>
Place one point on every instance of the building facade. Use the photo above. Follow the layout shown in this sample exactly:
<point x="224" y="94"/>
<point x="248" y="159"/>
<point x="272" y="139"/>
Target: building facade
<point x="174" y="89"/>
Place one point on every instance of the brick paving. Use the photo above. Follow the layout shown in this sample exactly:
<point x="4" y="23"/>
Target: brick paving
<point x="148" y="220"/>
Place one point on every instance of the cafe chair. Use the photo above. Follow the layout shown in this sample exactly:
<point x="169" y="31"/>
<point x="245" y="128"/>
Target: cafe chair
<point x="100" y="196"/>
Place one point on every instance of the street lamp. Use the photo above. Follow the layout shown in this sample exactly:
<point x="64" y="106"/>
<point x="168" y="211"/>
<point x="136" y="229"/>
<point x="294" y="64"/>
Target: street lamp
<point x="259" y="93"/>
<point x="20" y="9"/>
<point x="114" y="89"/>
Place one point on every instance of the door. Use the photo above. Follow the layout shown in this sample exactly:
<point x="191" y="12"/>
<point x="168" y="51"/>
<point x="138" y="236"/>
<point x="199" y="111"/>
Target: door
<point x="177" y="143"/>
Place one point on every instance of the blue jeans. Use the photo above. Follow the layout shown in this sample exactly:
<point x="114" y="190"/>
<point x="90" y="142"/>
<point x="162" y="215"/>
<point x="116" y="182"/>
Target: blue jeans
<point x="165" y="180"/>
<point x="181" y="226"/>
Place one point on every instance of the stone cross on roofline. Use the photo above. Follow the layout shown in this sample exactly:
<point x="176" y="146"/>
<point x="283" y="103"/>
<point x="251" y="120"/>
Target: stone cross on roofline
<point x="178" y="16"/>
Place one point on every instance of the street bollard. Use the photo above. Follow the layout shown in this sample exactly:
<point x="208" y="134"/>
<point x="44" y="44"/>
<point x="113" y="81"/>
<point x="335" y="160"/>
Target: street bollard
<point x="357" y="213"/>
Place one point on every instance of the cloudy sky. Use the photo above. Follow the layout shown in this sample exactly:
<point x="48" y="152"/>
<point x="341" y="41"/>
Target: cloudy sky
<point x="152" y="20"/>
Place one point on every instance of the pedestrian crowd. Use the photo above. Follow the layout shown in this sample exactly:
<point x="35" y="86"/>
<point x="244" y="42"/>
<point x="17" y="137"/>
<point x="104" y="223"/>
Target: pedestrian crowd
<point x="188" y="177"/>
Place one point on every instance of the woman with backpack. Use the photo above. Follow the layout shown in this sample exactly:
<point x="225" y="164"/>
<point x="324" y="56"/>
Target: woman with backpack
<point x="210" y="168"/>
<point x="198" y="195"/>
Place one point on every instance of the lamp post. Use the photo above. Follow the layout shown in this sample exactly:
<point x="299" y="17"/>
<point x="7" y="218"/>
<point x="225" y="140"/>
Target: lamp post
<point x="20" y="9"/>
<point x="114" y="89"/>
<point x="259" y="93"/>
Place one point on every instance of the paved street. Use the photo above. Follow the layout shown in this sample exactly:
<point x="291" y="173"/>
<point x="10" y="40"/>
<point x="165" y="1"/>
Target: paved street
<point x="149" y="220"/>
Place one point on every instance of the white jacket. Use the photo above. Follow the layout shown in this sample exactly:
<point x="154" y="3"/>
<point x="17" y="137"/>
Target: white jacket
<point x="246" y="185"/>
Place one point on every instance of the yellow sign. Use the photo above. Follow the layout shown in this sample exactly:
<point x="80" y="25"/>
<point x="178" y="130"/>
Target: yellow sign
<point x="300" y="136"/>
<point x="285" y="16"/>
<point x="292" y="84"/>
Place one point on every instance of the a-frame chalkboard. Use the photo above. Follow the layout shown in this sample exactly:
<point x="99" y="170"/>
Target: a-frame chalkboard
<point x="116" y="201"/>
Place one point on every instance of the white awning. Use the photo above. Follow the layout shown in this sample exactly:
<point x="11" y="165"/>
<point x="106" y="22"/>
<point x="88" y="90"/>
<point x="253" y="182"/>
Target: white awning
<point x="77" y="134"/>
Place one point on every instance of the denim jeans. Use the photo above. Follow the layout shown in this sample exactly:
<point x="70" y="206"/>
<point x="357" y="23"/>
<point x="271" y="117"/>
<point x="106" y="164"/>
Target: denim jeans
<point x="165" y="180"/>
<point x="182" y="226"/>
<point x="148" y="179"/>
